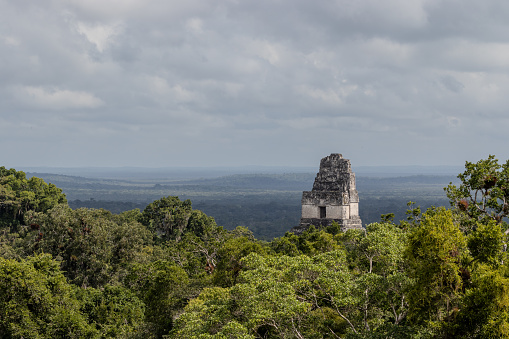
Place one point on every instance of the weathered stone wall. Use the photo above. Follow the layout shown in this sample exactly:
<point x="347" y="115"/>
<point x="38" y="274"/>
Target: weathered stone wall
<point x="333" y="197"/>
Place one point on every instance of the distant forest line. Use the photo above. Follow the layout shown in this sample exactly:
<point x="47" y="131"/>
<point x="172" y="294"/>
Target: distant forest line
<point x="268" y="204"/>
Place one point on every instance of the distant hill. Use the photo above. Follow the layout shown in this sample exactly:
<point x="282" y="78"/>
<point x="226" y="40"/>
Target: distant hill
<point x="187" y="173"/>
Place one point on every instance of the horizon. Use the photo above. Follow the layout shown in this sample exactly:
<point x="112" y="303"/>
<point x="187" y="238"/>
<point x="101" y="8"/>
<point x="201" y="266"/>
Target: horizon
<point x="184" y="173"/>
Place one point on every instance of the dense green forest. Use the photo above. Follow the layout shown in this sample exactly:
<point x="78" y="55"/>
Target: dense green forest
<point x="169" y="271"/>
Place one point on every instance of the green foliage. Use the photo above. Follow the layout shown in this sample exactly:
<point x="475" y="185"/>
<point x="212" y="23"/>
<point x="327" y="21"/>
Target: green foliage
<point x="276" y="297"/>
<point x="19" y="195"/>
<point x="37" y="302"/>
<point x="230" y="254"/>
<point x="310" y="242"/>
<point x="283" y="295"/>
<point x="389" y="218"/>
<point x="485" y="309"/>
<point x="93" y="246"/>
<point x="198" y="254"/>
<point x="168" y="217"/>
<point x="161" y="286"/>
<point x="483" y="193"/>
<point x="377" y="256"/>
<point x="413" y="216"/>
<point x="209" y="316"/>
<point x="199" y="223"/>
<point x="379" y="249"/>
<point x="437" y="252"/>
<point x="287" y="245"/>
<point x="114" y="310"/>
<point x="486" y="243"/>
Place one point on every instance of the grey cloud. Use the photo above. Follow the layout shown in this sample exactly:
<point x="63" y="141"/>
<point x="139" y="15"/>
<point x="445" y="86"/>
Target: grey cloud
<point x="450" y="83"/>
<point x="258" y="82"/>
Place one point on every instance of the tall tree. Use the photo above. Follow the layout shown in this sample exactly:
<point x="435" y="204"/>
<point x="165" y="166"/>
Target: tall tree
<point x="483" y="193"/>
<point x="437" y="252"/>
<point x="19" y="195"/>
<point x="382" y="280"/>
<point x="167" y="217"/>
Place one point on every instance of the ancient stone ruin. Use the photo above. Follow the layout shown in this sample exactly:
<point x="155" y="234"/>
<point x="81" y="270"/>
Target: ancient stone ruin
<point x="333" y="198"/>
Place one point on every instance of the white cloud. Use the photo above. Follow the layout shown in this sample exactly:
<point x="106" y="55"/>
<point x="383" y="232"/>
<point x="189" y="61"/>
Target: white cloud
<point x="57" y="99"/>
<point x="99" y="34"/>
<point x="330" y="96"/>
<point x="10" y="40"/>
<point x="265" y="50"/>
<point x="164" y="93"/>
<point x="195" y="25"/>
<point x="384" y="51"/>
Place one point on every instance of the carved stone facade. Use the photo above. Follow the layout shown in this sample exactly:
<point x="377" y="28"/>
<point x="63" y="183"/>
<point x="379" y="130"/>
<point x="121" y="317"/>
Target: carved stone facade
<point x="333" y="198"/>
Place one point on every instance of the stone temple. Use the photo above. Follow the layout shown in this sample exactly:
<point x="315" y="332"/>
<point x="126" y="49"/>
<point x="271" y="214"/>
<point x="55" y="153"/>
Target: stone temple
<point x="333" y="198"/>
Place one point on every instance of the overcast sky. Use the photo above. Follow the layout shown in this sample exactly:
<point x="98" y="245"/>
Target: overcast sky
<point x="159" y="83"/>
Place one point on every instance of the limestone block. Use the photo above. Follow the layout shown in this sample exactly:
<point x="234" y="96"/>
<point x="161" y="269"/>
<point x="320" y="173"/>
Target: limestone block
<point x="310" y="211"/>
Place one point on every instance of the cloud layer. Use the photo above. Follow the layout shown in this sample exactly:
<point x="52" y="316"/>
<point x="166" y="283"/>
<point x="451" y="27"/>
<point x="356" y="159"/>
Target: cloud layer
<point x="193" y="83"/>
